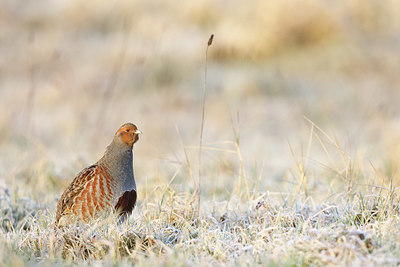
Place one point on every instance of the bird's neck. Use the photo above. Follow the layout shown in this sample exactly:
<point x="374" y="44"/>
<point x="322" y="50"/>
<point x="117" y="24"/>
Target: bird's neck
<point x="118" y="160"/>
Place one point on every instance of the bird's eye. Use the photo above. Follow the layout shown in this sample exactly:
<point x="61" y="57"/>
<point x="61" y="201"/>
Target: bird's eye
<point x="127" y="131"/>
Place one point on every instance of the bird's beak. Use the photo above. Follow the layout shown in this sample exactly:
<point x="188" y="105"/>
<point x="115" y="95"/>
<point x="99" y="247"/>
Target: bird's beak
<point x="138" y="131"/>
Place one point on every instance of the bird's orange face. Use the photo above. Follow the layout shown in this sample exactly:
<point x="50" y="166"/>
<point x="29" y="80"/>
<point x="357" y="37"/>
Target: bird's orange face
<point x="128" y="133"/>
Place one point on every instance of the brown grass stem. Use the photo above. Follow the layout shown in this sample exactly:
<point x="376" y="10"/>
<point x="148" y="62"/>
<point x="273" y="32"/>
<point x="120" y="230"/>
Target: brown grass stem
<point x="209" y="43"/>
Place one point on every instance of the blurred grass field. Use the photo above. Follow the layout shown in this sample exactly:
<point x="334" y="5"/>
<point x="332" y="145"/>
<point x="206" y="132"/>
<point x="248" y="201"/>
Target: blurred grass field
<point x="301" y="151"/>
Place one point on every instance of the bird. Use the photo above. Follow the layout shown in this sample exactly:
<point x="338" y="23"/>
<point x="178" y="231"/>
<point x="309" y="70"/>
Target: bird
<point x="109" y="184"/>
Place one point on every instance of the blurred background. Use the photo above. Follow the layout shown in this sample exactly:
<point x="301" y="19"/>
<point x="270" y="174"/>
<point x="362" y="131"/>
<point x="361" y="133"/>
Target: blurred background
<point x="71" y="72"/>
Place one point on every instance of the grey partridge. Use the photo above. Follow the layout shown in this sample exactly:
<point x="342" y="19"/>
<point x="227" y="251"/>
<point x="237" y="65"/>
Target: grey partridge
<point x="107" y="184"/>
